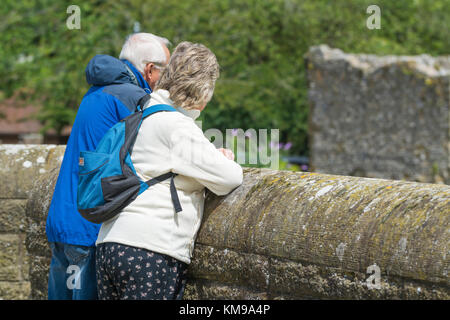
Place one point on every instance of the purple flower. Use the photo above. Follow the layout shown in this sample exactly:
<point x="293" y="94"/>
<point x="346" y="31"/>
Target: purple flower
<point x="304" y="167"/>
<point x="234" y="132"/>
<point x="287" y="146"/>
<point x="248" y="134"/>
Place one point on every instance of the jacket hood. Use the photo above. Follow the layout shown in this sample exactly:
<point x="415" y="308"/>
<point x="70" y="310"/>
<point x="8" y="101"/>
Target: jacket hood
<point x="104" y="70"/>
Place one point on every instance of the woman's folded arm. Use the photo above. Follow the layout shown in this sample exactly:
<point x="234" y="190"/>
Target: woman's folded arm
<point x="194" y="156"/>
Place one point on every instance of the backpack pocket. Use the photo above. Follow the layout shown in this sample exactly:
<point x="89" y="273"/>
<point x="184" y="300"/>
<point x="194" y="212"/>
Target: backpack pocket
<point x="90" y="162"/>
<point x="92" y="167"/>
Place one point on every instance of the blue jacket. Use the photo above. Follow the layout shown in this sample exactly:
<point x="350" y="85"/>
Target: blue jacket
<point x="116" y="88"/>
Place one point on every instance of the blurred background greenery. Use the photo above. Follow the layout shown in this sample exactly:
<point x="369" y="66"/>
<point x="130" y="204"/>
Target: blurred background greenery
<point x="259" y="44"/>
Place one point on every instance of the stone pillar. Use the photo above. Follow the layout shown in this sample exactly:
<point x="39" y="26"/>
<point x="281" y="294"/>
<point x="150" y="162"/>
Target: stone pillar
<point x="379" y="116"/>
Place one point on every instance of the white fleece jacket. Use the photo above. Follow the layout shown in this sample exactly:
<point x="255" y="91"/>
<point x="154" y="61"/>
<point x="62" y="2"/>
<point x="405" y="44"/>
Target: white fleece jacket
<point x="171" y="141"/>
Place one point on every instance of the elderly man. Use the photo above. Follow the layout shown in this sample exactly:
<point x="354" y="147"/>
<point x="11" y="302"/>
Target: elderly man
<point x="116" y="88"/>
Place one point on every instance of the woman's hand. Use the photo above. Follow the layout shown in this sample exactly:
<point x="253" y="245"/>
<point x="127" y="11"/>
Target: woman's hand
<point x="227" y="153"/>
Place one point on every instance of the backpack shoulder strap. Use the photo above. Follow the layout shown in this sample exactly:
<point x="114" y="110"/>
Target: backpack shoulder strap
<point x="141" y="102"/>
<point x="156" y="108"/>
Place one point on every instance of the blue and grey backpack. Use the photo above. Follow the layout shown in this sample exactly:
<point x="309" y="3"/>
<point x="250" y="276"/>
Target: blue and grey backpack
<point x="107" y="180"/>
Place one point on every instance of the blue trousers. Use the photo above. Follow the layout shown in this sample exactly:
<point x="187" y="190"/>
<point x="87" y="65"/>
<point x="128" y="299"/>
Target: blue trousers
<point x="72" y="273"/>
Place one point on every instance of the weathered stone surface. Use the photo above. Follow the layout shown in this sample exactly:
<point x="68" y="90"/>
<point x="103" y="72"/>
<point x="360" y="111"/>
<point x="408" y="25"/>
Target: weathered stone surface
<point x="37" y="209"/>
<point x="311" y="281"/>
<point x="208" y="290"/>
<point x="15" y="290"/>
<point x="14" y="261"/>
<point x="401" y="226"/>
<point x="236" y="268"/>
<point x="9" y="257"/>
<point x="39" y="202"/>
<point x="36" y="240"/>
<point x="39" y="268"/>
<point x="285" y="235"/>
<point x="12" y="215"/>
<point x="340" y="223"/>
<point x="383" y="117"/>
<point x="20" y="165"/>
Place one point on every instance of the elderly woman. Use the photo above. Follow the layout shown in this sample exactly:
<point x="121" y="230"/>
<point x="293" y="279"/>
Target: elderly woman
<point x="143" y="252"/>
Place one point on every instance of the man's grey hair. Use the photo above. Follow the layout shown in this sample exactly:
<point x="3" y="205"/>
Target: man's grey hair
<point x="143" y="48"/>
<point x="190" y="76"/>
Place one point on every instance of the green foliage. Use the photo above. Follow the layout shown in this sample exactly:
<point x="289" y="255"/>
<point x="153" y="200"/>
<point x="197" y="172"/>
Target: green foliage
<point x="260" y="46"/>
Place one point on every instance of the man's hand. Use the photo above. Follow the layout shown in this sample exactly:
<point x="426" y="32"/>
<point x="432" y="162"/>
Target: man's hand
<point x="227" y="153"/>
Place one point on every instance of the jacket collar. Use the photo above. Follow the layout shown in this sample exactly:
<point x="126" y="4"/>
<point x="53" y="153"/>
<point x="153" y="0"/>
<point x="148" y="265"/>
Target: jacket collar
<point x="136" y="76"/>
<point x="162" y="96"/>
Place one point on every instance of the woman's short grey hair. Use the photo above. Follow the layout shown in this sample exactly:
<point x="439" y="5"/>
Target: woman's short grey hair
<point x="143" y="48"/>
<point x="190" y="76"/>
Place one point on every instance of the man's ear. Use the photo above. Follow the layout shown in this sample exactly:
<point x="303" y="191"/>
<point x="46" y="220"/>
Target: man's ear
<point x="148" y="71"/>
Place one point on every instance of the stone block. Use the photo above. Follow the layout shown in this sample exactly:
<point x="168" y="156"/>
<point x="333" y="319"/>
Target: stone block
<point x="12" y="215"/>
<point x="209" y="290"/>
<point x="19" y="290"/>
<point x="230" y="267"/>
<point x="10" y="257"/>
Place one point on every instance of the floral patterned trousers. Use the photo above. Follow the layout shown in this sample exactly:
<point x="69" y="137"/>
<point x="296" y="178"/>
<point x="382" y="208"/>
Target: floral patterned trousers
<point x="125" y="272"/>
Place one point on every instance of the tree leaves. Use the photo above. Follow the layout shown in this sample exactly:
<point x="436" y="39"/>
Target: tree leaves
<point x="259" y="44"/>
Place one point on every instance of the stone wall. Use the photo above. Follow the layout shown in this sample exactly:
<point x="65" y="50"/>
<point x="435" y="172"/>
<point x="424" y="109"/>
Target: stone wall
<point x="283" y="235"/>
<point x="382" y="117"/>
<point x="20" y="166"/>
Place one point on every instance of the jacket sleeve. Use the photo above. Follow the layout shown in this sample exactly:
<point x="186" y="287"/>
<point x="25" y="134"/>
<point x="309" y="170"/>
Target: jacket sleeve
<point x="194" y="156"/>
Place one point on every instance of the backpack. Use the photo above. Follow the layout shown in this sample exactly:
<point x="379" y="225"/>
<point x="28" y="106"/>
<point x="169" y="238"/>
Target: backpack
<point x="107" y="180"/>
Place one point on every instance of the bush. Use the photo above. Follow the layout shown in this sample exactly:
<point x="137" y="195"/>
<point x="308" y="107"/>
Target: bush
<point x="259" y="44"/>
